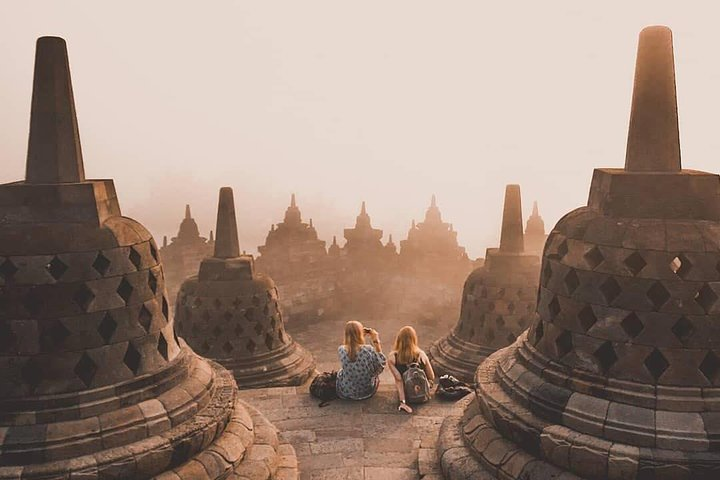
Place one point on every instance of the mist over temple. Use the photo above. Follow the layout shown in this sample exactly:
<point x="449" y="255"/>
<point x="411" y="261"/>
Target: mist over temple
<point x="362" y="341"/>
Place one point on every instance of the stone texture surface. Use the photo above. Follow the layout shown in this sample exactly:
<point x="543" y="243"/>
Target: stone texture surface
<point x="231" y="314"/>
<point x="356" y="440"/>
<point x="94" y="383"/>
<point x="498" y="300"/>
<point x="617" y="377"/>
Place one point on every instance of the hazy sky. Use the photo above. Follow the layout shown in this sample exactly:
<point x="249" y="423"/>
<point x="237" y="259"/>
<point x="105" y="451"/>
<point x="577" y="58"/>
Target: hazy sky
<point x="338" y="101"/>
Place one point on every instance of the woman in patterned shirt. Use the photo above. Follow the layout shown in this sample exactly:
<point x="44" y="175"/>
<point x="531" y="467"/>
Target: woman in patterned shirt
<point x="361" y="364"/>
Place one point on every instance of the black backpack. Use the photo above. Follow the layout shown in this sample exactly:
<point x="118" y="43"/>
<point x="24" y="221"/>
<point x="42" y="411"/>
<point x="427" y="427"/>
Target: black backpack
<point x="323" y="387"/>
<point x="450" y="388"/>
<point x="415" y="384"/>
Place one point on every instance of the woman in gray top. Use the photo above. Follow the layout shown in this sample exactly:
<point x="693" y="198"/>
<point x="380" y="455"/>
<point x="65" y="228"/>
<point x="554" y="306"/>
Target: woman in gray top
<point x="361" y="364"/>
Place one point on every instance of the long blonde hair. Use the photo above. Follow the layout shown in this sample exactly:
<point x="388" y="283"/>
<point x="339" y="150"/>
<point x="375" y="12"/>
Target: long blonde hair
<point x="406" y="345"/>
<point x="354" y="338"/>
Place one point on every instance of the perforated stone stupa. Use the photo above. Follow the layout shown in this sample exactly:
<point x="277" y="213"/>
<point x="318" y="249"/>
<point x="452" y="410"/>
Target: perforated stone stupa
<point x="230" y="313"/>
<point x="94" y="384"/>
<point x="619" y="375"/>
<point x="498" y="300"/>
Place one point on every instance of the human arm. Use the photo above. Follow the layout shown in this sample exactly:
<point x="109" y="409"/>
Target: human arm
<point x="429" y="372"/>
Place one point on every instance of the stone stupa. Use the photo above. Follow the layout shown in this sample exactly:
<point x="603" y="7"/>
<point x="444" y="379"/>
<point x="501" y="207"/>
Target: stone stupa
<point x="94" y="383"/>
<point x="498" y="300"/>
<point x="619" y="375"/>
<point x="231" y="314"/>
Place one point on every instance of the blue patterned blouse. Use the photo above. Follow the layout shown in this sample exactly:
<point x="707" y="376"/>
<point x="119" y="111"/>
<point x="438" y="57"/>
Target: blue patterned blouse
<point x="358" y="380"/>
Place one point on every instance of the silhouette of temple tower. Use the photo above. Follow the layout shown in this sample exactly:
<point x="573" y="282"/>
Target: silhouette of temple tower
<point x="619" y="375"/>
<point x="364" y="243"/>
<point x="183" y="255"/>
<point x="432" y="247"/>
<point x="231" y="314"/>
<point x="292" y="247"/>
<point x="498" y="300"/>
<point x="93" y="381"/>
<point x="535" y="232"/>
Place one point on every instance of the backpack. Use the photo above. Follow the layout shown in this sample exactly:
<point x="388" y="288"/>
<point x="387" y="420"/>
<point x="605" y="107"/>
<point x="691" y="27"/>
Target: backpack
<point x="450" y="388"/>
<point x="415" y="384"/>
<point x="323" y="387"/>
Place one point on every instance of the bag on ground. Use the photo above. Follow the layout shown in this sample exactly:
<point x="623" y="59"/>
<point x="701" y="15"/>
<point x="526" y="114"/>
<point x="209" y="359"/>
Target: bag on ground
<point x="323" y="387"/>
<point x="415" y="383"/>
<point x="450" y="388"/>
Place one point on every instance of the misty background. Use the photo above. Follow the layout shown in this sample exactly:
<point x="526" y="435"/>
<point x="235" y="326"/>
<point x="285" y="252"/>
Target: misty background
<point x="339" y="102"/>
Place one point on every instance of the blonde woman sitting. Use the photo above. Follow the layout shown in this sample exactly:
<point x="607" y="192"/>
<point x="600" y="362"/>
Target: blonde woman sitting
<point x="360" y="364"/>
<point x="406" y="352"/>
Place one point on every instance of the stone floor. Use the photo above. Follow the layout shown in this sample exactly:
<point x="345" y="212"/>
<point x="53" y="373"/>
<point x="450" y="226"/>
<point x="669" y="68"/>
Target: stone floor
<point x="368" y="440"/>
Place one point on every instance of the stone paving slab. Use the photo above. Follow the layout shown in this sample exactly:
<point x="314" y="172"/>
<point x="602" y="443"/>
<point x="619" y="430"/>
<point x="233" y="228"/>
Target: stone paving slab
<point x="367" y="440"/>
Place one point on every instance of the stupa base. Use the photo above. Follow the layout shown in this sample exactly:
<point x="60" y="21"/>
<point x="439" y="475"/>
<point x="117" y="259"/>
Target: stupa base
<point x="454" y="356"/>
<point x="288" y="366"/>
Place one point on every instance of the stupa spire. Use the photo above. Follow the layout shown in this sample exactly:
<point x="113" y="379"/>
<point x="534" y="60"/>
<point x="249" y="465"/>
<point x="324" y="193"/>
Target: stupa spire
<point x="292" y="201"/>
<point x="535" y="211"/>
<point x="362" y="209"/>
<point x="226" y="243"/>
<point x="511" y="237"/>
<point x="187" y="212"/>
<point x="653" y="137"/>
<point x="433" y="203"/>
<point x="54" y="153"/>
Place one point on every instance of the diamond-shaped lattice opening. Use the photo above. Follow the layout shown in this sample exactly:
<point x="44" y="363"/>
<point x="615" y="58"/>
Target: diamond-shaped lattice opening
<point x="572" y="282"/>
<point x="237" y="303"/>
<point x="490" y="306"/>
<point x="85" y="369"/>
<point x="546" y="274"/>
<point x="217" y="331"/>
<point x="683" y="329"/>
<point x="7" y="270"/>
<point x="56" y="268"/>
<point x="238" y="330"/>
<point x="594" y="257"/>
<point x="635" y="263"/>
<point x="153" y="251"/>
<point x="256" y="300"/>
<point x="145" y="318"/>
<point x="681" y="266"/>
<point x="610" y="289"/>
<point x="511" y="307"/>
<point x="656" y="364"/>
<point x="83" y="297"/>
<point x="228" y="316"/>
<point x="135" y="258"/>
<point x="273" y="322"/>
<point x="198" y="302"/>
<point x="554" y="307"/>
<point x="490" y="335"/>
<point x="658" y="295"/>
<point x="217" y="303"/>
<point x="54" y="336"/>
<point x="706" y="297"/>
<point x="33" y="302"/>
<point x="227" y="347"/>
<point x="500" y="293"/>
<point x="7" y="337"/>
<point x="107" y="327"/>
<point x="165" y="308"/>
<point x="125" y="290"/>
<point x="132" y="358"/>
<point x="539" y="332"/>
<point x="31" y="373"/>
<point x="562" y="250"/>
<point x="606" y="356"/>
<point x="500" y="321"/>
<point x="249" y="313"/>
<point x="710" y="366"/>
<point x="101" y="264"/>
<point x="251" y="346"/>
<point x="484" y="292"/>
<point x="152" y="282"/>
<point x="587" y="318"/>
<point x="632" y="325"/>
<point x="259" y="328"/>
<point x="269" y="341"/>
<point x="563" y="343"/>
<point x="162" y="346"/>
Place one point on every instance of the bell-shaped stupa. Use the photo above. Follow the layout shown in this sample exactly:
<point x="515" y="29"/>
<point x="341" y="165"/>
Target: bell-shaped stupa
<point x="231" y="314"/>
<point x="94" y="383"/>
<point x="498" y="300"/>
<point x="619" y="375"/>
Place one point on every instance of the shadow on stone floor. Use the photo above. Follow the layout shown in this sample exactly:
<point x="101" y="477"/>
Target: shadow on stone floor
<point x="367" y="440"/>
